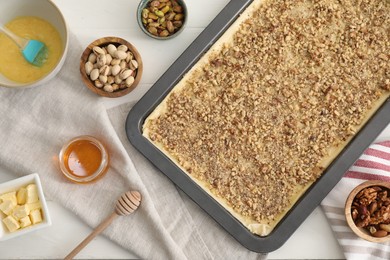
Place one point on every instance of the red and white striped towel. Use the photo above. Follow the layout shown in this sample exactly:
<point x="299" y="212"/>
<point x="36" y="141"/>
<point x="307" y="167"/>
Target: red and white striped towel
<point x="374" y="164"/>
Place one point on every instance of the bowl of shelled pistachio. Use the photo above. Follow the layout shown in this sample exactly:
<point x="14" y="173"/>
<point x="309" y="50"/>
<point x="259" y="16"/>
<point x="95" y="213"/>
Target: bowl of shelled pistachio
<point x="162" y="19"/>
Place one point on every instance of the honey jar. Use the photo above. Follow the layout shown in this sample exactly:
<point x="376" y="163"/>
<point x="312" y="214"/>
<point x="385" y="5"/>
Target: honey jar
<point x="83" y="159"/>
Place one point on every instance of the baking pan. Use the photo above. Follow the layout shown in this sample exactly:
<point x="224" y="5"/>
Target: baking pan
<point x="302" y="208"/>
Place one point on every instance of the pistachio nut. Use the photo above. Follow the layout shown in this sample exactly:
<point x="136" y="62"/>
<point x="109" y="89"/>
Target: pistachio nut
<point x="123" y="64"/>
<point x="177" y="9"/>
<point x="129" y="81"/>
<point x="153" y="30"/>
<point x="125" y="74"/>
<point x="171" y="16"/>
<point x="111" y="49"/>
<point x="152" y="16"/>
<point x="145" y="13"/>
<point x="154" y="24"/>
<point x="103" y="79"/>
<point x="115" y="69"/>
<point x="129" y="57"/>
<point x="101" y="60"/>
<point x="108" y="88"/>
<point x="104" y="70"/>
<point x="94" y="74"/>
<point x="98" y="84"/>
<point x="115" y="62"/>
<point x="178" y="24"/>
<point x="118" y="79"/>
<point x="122" y="47"/>
<point x="165" y="9"/>
<point x="161" y="6"/>
<point x="159" y="13"/>
<point x="98" y="51"/>
<point x="110" y="79"/>
<point x="92" y="58"/>
<point x="178" y="17"/>
<point x="108" y="59"/>
<point x="115" y="86"/>
<point x="155" y="3"/>
<point x="121" y="55"/>
<point x="133" y="64"/>
<point x="88" y="67"/>
<point x="164" y="33"/>
<point x="170" y="27"/>
<point x="109" y="71"/>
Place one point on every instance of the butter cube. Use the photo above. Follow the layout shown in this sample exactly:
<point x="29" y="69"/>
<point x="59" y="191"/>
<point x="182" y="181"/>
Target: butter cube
<point x="9" y="196"/>
<point x="20" y="212"/>
<point x="7" y="206"/>
<point x="32" y="193"/>
<point x="11" y="223"/>
<point x="25" y="222"/>
<point x="21" y="196"/>
<point x="35" y="216"/>
<point x="35" y="205"/>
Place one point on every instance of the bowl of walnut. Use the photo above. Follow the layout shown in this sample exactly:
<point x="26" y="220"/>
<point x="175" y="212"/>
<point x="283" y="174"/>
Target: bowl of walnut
<point x="111" y="67"/>
<point x="367" y="211"/>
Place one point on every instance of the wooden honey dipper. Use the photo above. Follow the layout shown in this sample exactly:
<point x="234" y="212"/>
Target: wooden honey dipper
<point x="125" y="205"/>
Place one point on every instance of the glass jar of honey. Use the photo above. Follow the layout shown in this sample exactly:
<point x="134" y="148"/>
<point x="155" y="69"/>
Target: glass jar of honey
<point x="83" y="159"/>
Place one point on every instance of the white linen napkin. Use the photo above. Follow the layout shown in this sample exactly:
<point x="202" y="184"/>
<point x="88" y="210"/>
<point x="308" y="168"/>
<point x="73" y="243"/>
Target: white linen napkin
<point x="374" y="164"/>
<point x="36" y="122"/>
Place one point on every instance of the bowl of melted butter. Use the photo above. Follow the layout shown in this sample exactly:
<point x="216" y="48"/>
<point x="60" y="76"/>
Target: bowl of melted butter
<point x="40" y="20"/>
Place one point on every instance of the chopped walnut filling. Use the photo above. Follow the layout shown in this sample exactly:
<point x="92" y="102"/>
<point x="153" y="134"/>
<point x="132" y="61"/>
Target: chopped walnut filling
<point x="298" y="78"/>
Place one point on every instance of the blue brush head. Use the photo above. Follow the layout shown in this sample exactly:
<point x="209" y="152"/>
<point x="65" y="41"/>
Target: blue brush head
<point x="35" y="52"/>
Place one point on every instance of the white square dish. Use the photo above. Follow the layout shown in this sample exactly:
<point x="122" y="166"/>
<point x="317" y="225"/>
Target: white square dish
<point x="14" y="185"/>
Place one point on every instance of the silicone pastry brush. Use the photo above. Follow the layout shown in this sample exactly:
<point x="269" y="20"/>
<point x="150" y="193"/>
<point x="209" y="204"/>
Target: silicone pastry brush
<point x="34" y="51"/>
<point x="125" y="205"/>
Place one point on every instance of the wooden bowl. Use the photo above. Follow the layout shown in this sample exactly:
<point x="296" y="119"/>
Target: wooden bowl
<point x="102" y="42"/>
<point x="359" y="231"/>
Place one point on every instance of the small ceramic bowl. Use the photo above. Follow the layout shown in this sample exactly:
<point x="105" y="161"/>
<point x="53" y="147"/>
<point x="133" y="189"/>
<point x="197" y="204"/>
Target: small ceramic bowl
<point x="359" y="231"/>
<point x="15" y="185"/>
<point x="144" y="3"/>
<point x="46" y="10"/>
<point x="104" y="42"/>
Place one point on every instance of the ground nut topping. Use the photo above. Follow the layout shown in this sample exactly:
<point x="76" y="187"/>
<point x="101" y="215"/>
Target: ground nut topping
<point x="257" y="122"/>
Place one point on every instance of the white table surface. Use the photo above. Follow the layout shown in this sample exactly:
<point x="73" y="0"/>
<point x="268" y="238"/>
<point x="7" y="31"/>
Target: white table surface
<point x="89" y="20"/>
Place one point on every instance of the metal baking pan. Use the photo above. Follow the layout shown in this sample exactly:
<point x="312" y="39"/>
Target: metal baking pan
<point x="302" y="208"/>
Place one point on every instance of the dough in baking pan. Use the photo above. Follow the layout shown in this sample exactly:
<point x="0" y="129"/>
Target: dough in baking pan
<point x="262" y="114"/>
